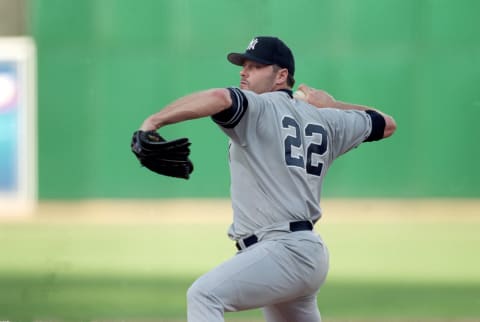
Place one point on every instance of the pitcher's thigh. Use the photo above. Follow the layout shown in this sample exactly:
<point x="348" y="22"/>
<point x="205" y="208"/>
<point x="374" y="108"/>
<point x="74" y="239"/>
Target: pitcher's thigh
<point x="252" y="279"/>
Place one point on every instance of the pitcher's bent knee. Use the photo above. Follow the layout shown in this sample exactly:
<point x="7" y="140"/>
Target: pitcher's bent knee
<point x="202" y="304"/>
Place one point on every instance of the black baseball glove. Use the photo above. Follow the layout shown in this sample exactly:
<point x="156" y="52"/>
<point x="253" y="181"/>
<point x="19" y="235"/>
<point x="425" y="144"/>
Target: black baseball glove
<point x="168" y="158"/>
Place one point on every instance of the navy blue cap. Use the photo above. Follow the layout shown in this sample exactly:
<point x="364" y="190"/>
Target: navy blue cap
<point x="268" y="51"/>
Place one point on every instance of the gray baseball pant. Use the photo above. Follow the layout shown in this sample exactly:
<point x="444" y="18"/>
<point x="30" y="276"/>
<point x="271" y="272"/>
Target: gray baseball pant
<point x="282" y="275"/>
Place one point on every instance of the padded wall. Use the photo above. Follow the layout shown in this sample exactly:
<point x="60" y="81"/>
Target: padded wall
<point x="105" y="65"/>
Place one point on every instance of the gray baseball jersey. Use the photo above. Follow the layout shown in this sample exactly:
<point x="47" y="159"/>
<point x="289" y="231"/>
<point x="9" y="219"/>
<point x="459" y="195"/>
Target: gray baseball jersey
<point x="280" y="150"/>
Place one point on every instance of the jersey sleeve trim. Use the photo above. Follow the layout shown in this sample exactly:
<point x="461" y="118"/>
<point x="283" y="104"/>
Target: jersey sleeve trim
<point x="378" y="126"/>
<point x="230" y="117"/>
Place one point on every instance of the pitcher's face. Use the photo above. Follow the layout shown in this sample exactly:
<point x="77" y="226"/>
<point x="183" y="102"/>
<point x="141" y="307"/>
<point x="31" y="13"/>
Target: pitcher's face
<point x="257" y="77"/>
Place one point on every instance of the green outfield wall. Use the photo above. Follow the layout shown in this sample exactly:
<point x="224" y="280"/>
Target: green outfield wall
<point x="104" y="65"/>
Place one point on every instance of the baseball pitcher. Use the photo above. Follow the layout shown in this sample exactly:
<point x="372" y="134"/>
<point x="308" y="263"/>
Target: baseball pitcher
<point x="281" y="146"/>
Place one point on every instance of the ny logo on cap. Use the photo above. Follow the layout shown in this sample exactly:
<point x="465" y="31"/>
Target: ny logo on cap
<point x="252" y="44"/>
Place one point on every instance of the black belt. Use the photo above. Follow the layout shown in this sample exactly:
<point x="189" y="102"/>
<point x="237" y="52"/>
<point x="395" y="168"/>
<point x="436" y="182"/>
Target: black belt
<point x="294" y="226"/>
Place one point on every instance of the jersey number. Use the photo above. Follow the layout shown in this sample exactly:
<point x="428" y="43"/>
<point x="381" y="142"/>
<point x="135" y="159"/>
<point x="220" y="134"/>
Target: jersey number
<point x="297" y="159"/>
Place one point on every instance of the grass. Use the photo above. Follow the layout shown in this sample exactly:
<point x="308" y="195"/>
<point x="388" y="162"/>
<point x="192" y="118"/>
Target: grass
<point x="82" y="270"/>
<point x="89" y="298"/>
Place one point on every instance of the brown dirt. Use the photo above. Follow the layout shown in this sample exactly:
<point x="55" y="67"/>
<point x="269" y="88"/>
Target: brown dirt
<point x="219" y="210"/>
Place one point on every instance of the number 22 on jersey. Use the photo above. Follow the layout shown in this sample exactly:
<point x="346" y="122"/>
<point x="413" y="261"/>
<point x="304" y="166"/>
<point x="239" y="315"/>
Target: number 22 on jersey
<point x="295" y="154"/>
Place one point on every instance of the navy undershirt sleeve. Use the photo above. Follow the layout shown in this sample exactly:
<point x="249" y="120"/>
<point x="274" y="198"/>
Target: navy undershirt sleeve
<point x="378" y="126"/>
<point x="230" y="117"/>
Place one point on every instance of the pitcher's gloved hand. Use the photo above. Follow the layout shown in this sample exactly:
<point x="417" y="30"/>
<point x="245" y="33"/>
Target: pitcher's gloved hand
<point x="168" y="158"/>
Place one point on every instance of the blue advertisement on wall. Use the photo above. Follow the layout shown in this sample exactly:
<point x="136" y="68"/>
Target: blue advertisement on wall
<point x="9" y="110"/>
<point x="18" y="158"/>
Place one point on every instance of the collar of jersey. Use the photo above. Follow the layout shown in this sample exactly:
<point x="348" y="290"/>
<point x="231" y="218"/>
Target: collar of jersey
<point x="286" y="90"/>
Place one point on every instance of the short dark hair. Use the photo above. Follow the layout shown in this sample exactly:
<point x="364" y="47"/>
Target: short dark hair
<point x="290" y="79"/>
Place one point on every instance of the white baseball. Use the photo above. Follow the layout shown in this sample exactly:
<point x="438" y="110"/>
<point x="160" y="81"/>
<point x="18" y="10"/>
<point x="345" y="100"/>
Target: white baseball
<point x="299" y="95"/>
